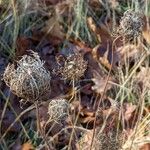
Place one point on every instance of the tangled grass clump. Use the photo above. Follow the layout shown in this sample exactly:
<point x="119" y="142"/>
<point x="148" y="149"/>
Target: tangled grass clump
<point x="29" y="80"/>
<point x="131" y="24"/>
<point x="58" y="110"/>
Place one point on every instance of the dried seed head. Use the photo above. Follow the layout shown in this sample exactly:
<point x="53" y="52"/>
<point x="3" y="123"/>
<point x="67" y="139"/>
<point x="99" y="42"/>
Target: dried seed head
<point x="112" y="140"/>
<point x="29" y="80"/>
<point x="131" y="24"/>
<point x="9" y="74"/>
<point x="58" y="110"/>
<point x="73" y="68"/>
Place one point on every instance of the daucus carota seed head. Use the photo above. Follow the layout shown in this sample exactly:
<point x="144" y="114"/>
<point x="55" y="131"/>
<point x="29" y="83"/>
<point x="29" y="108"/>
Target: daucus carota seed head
<point x="131" y="24"/>
<point x="111" y="140"/>
<point x="73" y="67"/>
<point x="58" y="110"/>
<point x="29" y="80"/>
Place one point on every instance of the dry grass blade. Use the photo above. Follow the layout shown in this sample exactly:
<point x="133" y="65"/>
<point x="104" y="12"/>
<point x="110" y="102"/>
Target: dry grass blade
<point x="139" y="136"/>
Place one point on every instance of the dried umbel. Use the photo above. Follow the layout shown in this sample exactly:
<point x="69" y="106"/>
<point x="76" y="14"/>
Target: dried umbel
<point x="58" y="110"/>
<point x="111" y="140"/>
<point x="131" y="24"/>
<point x="103" y="141"/>
<point x="73" y="68"/>
<point x="29" y="80"/>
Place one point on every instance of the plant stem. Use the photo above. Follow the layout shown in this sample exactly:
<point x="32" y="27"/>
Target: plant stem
<point x="39" y="128"/>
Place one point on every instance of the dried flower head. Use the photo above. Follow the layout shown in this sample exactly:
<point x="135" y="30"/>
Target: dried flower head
<point x="73" y="68"/>
<point x="111" y="140"/>
<point x="58" y="110"/>
<point x="131" y="24"/>
<point x="29" y="80"/>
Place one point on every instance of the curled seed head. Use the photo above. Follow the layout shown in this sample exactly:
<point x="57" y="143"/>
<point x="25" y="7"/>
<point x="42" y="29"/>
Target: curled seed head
<point x="73" y="67"/>
<point x="112" y="140"/>
<point x="30" y="80"/>
<point x="131" y="24"/>
<point x="58" y="110"/>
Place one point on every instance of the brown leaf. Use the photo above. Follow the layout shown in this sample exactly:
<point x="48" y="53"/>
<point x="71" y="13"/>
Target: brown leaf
<point x="146" y="35"/>
<point x="88" y="119"/>
<point x="128" y="51"/>
<point x="143" y="77"/>
<point x="145" y="147"/>
<point x="81" y="46"/>
<point x="146" y="29"/>
<point x="103" y="52"/>
<point x="113" y="4"/>
<point x="86" y="140"/>
<point x="27" y="146"/>
<point x="54" y="29"/>
<point x="101" y="83"/>
<point x="23" y="44"/>
<point x="101" y="31"/>
<point x="93" y="66"/>
<point x="129" y="109"/>
<point x="49" y="2"/>
<point x="105" y="55"/>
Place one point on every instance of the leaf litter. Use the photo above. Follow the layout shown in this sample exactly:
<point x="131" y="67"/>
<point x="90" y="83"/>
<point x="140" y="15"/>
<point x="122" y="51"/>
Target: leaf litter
<point x="82" y="98"/>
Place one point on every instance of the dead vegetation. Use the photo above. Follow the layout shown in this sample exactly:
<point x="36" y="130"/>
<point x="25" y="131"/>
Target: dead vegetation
<point x="75" y="75"/>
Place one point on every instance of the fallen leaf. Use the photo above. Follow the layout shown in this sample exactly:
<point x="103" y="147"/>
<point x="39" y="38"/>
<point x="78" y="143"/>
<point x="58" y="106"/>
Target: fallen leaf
<point x="101" y="83"/>
<point x="146" y="29"/>
<point x="129" y="109"/>
<point x="145" y="147"/>
<point x="27" y="146"/>
<point x="128" y="51"/>
<point x="93" y="66"/>
<point x="105" y="55"/>
<point x="86" y="140"/>
<point x="143" y="77"/>
<point x="102" y="52"/>
<point x="82" y="46"/>
<point x="23" y="44"/>
<point x="53" y="28"/>
<point x="49" y="2"/>
<point x="113" y="4"/>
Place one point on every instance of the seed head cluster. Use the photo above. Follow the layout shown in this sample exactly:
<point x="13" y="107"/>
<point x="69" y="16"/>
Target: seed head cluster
<point x="29" y="80"/>
<point x="131" y="24"/>
<point x="110" y="141"/>
<point x="58" y="110"/>
<point x="73" y="67"/>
